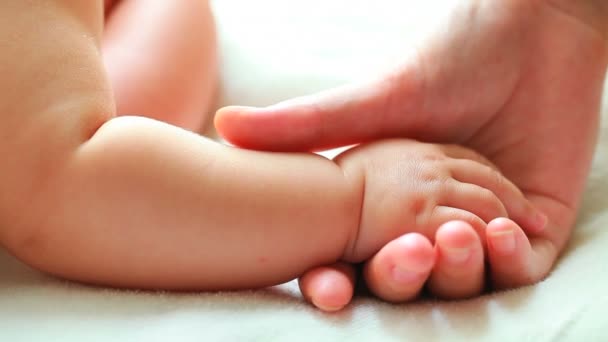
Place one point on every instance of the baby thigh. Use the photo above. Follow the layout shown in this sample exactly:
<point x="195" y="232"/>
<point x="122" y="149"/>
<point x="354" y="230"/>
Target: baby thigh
<point x="161" y="59"/>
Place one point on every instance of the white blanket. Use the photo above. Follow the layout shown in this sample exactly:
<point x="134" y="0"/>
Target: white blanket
<point x="272" y="50"/>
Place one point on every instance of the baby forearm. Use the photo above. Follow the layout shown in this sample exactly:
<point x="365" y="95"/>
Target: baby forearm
<point x="145" y="204"/>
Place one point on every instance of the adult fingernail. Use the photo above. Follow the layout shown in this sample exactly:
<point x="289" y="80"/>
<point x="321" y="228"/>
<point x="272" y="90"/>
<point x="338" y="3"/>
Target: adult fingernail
<point x="403" y="276"/>
<point x="503" y="241"/>
<point x="457" y="255"/>
<point x="326" y="308"/>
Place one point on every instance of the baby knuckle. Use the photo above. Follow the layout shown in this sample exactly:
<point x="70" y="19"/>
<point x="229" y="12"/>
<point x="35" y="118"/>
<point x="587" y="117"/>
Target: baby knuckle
<point x="471" y="218"/>
<point x="492" y="205"/>
<point x="434" y="173"/>
<point x="435" y="153"/>
<point x="477" y="223"/>
<point x="478" y="157"/>
<point x="497" y="180"/>
<point x="489" y="197"/>
<point x="429" y="176"/>
<point x="420" y="210"/>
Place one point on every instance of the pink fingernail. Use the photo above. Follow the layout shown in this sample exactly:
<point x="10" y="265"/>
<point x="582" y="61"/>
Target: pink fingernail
<point x="541" y="221"/>
<point x="457" y="255"/>
<point x="503" y="241"/>
<point x="404" y="276"/>
<point x="326" y="308"/>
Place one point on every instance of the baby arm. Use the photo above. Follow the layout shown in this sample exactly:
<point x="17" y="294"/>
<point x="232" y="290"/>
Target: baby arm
<point x="144" y="204"/>
<point x="138" y="203"/>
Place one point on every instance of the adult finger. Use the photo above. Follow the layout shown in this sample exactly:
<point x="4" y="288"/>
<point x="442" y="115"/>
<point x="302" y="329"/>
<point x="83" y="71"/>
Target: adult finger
<point x="459" y="268"/>
<point x="329" y="288"/>
<point x="398" y="272"/>
<point x="515" y="260"/>
<point x="383" y="107"/>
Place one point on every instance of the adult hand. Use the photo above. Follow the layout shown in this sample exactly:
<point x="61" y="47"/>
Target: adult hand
<point x="519" y="81"/>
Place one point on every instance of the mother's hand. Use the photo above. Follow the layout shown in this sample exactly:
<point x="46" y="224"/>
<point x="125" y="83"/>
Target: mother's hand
<point x="517" y="80"/>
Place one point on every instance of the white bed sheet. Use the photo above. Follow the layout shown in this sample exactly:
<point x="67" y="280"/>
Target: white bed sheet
<point x="272" y="50"/>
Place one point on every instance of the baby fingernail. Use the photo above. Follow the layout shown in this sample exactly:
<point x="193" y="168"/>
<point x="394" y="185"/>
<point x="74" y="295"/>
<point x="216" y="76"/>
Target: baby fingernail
<point x="457" y="255"/>
<point x="503" y="241"/>
<point x="541" y="221"/>
<point x="405" y="276"/>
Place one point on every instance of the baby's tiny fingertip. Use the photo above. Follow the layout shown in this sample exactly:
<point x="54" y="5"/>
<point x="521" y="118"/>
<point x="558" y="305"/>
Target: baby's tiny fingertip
<point x="540" y="221"/>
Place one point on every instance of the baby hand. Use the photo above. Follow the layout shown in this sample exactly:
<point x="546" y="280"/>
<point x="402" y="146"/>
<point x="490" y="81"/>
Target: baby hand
<point x="407" y="186"/>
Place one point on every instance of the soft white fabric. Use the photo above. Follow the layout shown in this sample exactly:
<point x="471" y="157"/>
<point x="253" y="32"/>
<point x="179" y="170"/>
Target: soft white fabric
<point x="272" y="50"/>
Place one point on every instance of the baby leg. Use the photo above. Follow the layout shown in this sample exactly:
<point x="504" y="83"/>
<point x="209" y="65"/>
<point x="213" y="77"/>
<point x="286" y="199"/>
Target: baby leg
<point x="161" y="59"/>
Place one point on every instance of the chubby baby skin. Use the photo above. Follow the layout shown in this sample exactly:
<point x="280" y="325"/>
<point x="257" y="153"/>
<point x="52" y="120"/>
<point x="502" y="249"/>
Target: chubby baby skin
<point x="136" y="202"/>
